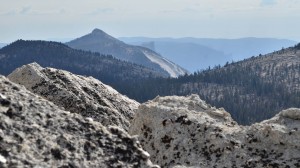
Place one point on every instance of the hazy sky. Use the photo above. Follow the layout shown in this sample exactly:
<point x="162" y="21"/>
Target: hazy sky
<point x="44" y="19"/>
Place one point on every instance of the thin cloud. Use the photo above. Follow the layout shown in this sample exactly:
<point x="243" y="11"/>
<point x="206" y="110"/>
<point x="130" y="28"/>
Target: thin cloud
<point x="25" y="10"/>
<point x="101" y="11"/>
<point x="62" y="11"/>
<point x="9" y="13"/>
<point x="268" y="2"/>
<point x="22" y="11"/>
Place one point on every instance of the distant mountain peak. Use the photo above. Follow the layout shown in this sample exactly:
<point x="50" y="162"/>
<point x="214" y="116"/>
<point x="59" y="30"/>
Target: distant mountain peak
<point x="98" y="31"/>
<point x="101" y="35"/>
<point x="99" y="41"/>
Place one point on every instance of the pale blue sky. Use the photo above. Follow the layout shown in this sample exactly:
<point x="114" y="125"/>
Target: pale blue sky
<point x="44" y="19"/>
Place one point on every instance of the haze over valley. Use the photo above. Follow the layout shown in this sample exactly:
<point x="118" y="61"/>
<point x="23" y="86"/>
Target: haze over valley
<point x="200" y="53"/>
<point x="171" y="84"/>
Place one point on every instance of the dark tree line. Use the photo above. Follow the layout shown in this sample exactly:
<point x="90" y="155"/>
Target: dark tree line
<point x="251" y="90"/>
<point x="57" y="55"/>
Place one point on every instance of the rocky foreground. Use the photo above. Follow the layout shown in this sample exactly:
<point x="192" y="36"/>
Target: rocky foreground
<point x="78" y="94"/>
<point x="36" y="133"/>
<point x="188" y="132"/>
<point x="85" y="123"/>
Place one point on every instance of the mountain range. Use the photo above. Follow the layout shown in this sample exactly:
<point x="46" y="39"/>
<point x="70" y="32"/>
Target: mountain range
<point x="201" y="53"/>
<point x="99" y="41"/>
<point x="107" y="68"/>
<point x="252" y="90"/>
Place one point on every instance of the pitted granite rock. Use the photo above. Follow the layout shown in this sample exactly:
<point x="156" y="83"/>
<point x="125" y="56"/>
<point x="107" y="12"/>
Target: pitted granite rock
<point x="77" y="94"/>
<point x="187" y="132"/>
<point x="36" y="133"/>
<point x="292" y="113"/>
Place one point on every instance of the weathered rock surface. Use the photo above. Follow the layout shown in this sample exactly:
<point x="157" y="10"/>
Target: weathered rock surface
<point x="77" y="94"/>
<point x="185" y="131"/>
<point x="36" y="133"/>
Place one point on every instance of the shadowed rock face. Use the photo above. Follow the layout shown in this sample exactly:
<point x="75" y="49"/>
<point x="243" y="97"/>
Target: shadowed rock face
<point x="77" y="94"/>
<point x="36" y="133"/>
<point x="188" y="132"/>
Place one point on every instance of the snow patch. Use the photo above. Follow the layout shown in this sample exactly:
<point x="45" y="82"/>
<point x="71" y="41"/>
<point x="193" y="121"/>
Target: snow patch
<point x="167" y="65"/>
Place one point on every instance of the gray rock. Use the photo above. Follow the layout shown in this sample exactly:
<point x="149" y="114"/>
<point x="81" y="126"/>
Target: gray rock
<point x="292" y="113"/>
<point x="77" y="94"/>
<point x="186" y="132"/>
<point x="36" y="133"/>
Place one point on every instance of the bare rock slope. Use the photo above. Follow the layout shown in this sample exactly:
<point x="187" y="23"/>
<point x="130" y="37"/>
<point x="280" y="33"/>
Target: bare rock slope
<point x="77" y="94"/>
<point x="185" y="131"/>
<point x="36" y="133"/>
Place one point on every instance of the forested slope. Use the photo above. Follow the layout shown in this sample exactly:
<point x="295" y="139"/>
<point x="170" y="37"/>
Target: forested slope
<point x="251" y="90"/>
<point x="57" y="55"/>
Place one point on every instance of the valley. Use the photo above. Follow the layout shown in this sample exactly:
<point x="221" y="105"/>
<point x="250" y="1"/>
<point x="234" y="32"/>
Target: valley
<point x="53" y="98"/>
<point x="200" y="53"/>
<point x="150" y="84"/>
<point x="252" y="90"/>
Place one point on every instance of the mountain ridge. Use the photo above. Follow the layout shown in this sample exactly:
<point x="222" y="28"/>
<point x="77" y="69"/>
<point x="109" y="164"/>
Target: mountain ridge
<point x="220" y="50"/>
<point x="99" y="41"/>
<point x="53" y="54"/>
<point x="252" y="90"/>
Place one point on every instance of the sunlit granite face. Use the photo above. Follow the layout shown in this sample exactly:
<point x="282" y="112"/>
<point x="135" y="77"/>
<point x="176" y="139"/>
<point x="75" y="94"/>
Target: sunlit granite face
<point x="77" y="94"/>
<point x="187" y="132"/>
<point x="36" y="133"/>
